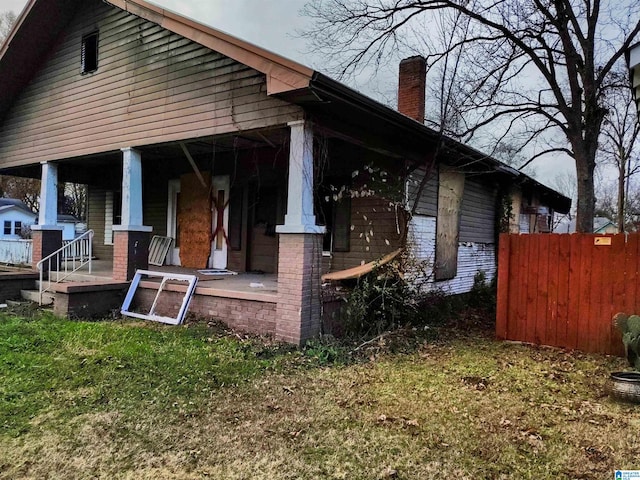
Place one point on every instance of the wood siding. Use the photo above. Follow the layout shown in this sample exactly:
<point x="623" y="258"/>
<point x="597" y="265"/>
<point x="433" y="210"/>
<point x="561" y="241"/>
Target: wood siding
<point x="95" y="221"/>
<point x="155" y="202"/>
<point x="151" y="86"/>
<point x="428" y="201"/>
<point x="478" y="212"/>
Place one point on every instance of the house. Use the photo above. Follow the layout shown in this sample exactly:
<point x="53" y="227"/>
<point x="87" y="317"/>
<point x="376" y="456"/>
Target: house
<point x="601" y="225"/>
<point x="244" y="158"/>
<point x="16" y="219"/>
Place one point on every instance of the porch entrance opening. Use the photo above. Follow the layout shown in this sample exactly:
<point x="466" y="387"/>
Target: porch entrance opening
<point x="219" y="199"/>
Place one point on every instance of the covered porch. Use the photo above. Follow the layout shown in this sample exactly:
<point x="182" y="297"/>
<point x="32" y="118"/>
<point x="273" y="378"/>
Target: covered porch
<point x="254" y="202"/>
<point x="243" y="202"/>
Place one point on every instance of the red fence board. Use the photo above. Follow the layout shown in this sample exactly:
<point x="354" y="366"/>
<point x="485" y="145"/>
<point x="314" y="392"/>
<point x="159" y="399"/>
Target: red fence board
<point x="562" y="290"/>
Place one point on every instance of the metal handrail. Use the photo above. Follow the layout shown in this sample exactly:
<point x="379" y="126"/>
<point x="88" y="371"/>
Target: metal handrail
<point x="62" y="258"/>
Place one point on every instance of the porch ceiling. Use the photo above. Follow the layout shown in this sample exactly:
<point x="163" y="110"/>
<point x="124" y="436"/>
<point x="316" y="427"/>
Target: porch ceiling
<point x="106" y="168"/>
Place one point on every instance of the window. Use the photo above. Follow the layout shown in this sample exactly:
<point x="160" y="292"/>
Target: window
<point x="89" y="55"/>
<point x="112" y="214"/>
<point x="334" y="212"/>
<point x="7" y="227"/>
<point x="17" y="228"/>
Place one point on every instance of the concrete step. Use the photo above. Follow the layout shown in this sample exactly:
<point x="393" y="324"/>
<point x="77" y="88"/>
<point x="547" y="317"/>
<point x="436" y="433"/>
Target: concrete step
<point x="34" y="296"/>
<point x="84" y="277"/>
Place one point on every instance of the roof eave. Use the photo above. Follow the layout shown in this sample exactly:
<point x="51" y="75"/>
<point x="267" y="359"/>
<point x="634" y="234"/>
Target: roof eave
<point x="323" y="84"/>
<point x="282" y="74"/>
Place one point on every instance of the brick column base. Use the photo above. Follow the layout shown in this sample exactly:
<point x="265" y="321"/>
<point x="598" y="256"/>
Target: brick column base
<point x="45" y="242"/>
<point x="298" y="312"/>
<point x="130" y="253"/>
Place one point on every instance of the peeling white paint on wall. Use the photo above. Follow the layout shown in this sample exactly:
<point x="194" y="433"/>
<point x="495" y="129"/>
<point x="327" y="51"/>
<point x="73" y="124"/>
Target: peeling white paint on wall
<point x="16" y="252"/>
<point x="472" y="257"/>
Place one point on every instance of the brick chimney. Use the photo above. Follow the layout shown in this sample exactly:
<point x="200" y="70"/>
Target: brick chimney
<point x="411" y="87"/>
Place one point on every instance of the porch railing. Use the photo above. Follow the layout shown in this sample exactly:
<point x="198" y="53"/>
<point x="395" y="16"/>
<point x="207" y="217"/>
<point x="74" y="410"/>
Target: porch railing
<point x="65" y="261"/>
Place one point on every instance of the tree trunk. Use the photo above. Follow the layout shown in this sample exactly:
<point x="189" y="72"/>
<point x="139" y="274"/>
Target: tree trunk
<point x="585" y="167"/>
<point x="621" y="194"/>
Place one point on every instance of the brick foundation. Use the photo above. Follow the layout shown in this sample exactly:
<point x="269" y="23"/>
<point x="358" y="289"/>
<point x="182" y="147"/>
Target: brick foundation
<point x="88" y="305"/>
<point x="12" y="283"/>
<point x="130" y="253"/>
<point x="299" y="304"/>
<point x="45" y="242"/>
<point x="248" y="316"/>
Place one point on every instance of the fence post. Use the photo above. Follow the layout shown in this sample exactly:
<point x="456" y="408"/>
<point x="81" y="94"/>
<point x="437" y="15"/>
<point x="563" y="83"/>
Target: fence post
<point x="503" y="286"/>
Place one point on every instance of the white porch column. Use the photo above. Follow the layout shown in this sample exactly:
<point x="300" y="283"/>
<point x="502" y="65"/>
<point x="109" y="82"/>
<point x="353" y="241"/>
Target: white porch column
<point x="300" y="217"/>
<point x="130" y="238"/>
<point x="47" y="235"/>
<point x="48" y="216"/>
<point x="131" y="189"/>
<point x="299" y="309"/>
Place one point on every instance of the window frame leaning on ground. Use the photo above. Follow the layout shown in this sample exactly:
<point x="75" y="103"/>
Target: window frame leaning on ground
<point x="191" y="280"/>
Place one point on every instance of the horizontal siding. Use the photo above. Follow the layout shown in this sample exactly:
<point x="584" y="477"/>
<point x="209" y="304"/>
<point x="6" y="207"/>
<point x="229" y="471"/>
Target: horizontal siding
<point x="151" y="86"/>
<point x="472" y="258"/>
<point x="155" y="204"/>
<point x="478" y="212"/>
<point x="95" y="222"/>
<point x="428" y="201"/>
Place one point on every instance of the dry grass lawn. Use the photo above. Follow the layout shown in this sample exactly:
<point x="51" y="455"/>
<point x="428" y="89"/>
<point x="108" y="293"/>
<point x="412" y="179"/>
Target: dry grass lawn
<point x="458" y="406"/>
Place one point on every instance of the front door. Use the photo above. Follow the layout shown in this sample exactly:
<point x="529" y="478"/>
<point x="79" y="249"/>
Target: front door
<point x="220" y="221"/>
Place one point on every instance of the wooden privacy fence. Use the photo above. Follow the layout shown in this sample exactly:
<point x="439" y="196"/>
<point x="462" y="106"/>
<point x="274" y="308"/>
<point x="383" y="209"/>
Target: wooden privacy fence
<point x="562" y="290"/>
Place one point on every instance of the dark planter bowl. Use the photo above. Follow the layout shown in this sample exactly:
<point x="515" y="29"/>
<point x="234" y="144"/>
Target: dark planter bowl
<point x="626" y="386"/>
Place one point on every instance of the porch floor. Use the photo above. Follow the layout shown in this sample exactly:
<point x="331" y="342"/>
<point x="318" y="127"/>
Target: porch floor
<point x="258" y="286"/>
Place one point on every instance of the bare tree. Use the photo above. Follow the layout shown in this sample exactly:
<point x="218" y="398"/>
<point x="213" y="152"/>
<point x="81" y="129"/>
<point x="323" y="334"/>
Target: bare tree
<point x="618" y="146"/>
<point x="75" y="200"/>
<point x="540" y="67"/>
<point x="25" y="189"/>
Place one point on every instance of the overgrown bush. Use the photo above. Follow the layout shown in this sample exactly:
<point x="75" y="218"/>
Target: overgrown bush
<point x="400" y="294"/>
<point x="379" y="301"/>
<point x="483" y="293"/>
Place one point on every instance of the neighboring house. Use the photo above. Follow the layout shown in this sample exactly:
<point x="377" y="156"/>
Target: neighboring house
<point x="601" y="225"/>
<point x="15" y="219"/>
<point x="240" y="155"/>
<point x="68" y="224"/>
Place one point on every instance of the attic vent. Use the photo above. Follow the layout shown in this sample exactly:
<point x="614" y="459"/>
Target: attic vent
<point x="89" y="54"/>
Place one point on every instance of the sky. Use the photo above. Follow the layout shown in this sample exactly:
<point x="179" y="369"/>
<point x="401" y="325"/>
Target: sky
<point x="275" y="29"/>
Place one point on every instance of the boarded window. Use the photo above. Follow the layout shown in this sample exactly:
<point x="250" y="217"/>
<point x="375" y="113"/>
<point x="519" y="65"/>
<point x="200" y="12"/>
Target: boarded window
<point x="89" y="55"/>
<point x="450" y="191"/>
